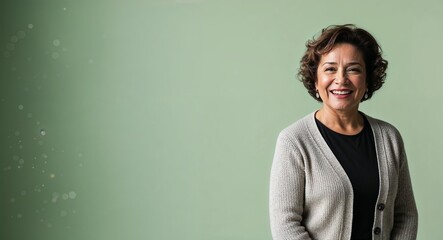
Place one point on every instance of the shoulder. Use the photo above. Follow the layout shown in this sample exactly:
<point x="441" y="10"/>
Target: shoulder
<point x="299" y="130"/>
<point x="385" y="131"/>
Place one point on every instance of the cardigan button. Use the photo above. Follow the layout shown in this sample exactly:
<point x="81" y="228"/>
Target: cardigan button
<point x="381" y="207"/>
<point x="377" y="230"/>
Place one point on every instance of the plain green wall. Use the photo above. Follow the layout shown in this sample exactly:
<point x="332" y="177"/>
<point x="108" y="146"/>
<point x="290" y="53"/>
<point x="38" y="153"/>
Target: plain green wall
<point x="158" y="119"/>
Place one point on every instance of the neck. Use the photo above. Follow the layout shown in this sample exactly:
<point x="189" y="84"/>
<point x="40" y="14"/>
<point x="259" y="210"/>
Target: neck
<point x="343" y="122"/>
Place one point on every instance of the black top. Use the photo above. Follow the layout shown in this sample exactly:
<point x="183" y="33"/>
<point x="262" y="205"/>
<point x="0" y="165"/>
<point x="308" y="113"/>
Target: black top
<point x="357" y="156"/>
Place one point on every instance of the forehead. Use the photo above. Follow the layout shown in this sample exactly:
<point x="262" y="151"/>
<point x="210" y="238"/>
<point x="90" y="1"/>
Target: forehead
<point x="343" y="52"/>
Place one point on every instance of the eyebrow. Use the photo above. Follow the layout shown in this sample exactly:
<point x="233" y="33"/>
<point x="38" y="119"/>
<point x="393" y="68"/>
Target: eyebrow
<point x="334" y="63"/>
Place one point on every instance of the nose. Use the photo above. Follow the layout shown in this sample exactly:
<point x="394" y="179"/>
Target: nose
<point x="341" y="77"/>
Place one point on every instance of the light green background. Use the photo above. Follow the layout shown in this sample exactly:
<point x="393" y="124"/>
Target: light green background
<point x="158" y="119"/>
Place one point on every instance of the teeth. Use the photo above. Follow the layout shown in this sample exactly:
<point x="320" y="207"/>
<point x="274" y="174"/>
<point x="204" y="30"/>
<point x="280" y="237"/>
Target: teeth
<point x="341" y="92"/>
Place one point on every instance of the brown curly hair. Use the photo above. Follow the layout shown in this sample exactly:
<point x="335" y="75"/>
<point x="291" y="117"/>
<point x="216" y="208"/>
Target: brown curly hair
<point x="372" y="53"/>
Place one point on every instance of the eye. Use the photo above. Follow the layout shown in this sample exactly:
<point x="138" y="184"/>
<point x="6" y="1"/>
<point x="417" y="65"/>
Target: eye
<point x="330" y="69"/>
<point x="354" y="69"/>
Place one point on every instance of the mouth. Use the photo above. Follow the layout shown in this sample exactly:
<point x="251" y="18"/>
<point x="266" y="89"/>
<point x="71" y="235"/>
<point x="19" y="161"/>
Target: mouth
<point x="341" y="92"/>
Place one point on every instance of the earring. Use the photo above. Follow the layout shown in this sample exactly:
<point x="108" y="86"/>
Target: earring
<point x="316" y="94"/>
<point x="366" y="94"/>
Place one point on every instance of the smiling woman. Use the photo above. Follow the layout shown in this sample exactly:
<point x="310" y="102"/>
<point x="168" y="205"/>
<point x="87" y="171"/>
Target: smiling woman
<point x="338" y="173"/>
<point x="341" y="80"/>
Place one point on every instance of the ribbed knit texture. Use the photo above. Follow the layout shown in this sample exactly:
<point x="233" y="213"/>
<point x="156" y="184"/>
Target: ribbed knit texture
<point x="311" y="196"/>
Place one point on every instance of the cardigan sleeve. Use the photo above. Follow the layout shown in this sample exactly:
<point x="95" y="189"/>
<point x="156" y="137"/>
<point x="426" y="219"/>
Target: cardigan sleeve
<point x="286" y="197"/>
<point x="405" y="210"/>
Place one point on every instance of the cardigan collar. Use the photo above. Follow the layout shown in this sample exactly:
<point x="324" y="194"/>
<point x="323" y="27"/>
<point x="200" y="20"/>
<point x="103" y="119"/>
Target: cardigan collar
<point x="380" y="149"/>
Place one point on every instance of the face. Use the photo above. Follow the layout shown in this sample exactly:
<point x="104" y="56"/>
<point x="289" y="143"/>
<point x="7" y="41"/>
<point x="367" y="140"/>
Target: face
<point x="341" y="78"/>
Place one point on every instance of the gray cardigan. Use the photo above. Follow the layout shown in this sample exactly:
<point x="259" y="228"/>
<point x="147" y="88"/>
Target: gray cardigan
<point x="311" y="196"/>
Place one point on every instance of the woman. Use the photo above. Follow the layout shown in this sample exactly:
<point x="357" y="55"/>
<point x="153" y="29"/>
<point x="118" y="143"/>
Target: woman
<point x="338" y="173"/>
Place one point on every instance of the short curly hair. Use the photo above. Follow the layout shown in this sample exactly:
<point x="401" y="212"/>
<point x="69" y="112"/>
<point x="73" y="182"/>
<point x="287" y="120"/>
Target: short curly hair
<point x="372" y="53"/>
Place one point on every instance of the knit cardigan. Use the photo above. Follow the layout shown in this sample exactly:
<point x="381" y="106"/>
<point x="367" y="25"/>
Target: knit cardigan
<point x="311" y="196"/>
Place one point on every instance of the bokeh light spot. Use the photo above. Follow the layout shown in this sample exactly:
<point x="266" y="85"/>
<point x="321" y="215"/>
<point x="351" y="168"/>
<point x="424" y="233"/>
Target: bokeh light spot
<point x="65" y="196"/>
<point x="72" y="195"/>
<point x="56" y="42"/>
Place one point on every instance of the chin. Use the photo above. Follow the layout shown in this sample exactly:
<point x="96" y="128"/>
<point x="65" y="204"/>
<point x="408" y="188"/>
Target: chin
<point x="345" y="108"/>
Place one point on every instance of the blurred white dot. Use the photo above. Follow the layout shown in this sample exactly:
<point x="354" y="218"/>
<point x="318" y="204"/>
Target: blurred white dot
<point x="43" y="171"/>
<point x="72" y="195"/>
<point x="19" y="215"/>
<point x="21" y="161"/>
<point x="14" y="39"/>
<point x="20" y="146"/>
<point x="42" y="132"/>
<point x="30" y="26"/>
<point x="65" y="196"/>
<point x="52" y="175"/>
<point x="64" y="9"/>
<point x="55" y="55"/>
<point x="20" y="107"/>
<point x="44" y="155"/>
<point x="56" y="42"/>
<point x="21" y="34"/>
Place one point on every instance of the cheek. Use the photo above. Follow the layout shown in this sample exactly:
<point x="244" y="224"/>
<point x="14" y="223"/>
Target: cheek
<point x="360" y="82"/>
<point x="322" y="82"/>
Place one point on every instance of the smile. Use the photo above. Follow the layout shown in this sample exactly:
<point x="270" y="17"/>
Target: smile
<point x="341" y="92"/>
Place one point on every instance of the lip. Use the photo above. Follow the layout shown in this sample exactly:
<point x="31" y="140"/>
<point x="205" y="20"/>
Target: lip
<point x="349" y="92"/>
